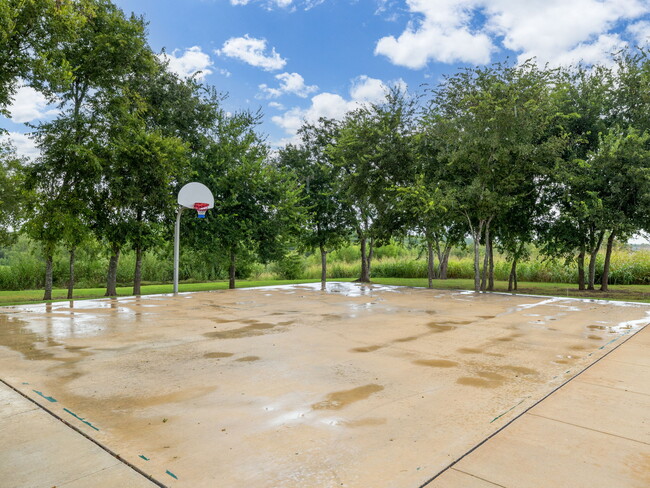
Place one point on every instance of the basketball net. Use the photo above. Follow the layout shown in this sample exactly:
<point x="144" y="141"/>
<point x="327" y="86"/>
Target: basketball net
<point x="201" y="208"/>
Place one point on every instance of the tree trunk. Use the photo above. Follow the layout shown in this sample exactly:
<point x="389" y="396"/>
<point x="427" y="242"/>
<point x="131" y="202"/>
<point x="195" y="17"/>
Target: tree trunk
<point x="491" y="266"/>
<point x="581" y="268"/>
<point x="512" y="279"/>
<point x="477" y="257"/>
<point x="323" y="268"/>
<point x="604" y="285"/>
<point x="592" y="262"/>
<point x="430" y="263"/>
<point x="486" y="258"/>
<point x="111" y="278"/>
<point x="71" y="281"/>
<point x="371" y="253"/>
<point x="365" y="272"/>
<point x="444" y="264"/>
<point x="48" y="276"/>
<point x="137" y="275"/>
<point x="231" y="270"/>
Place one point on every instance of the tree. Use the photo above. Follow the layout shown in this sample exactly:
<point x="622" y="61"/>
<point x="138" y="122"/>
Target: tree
<point x="496" y="126"/>
<point x="584" y="95"/>
<point x="12" y="198"/>
<point x="30" y="32"/>
<point x="258" y="205"/>
<point x="374" y="152"/>
<point x="623" y="160"/>
<point x="422" y="203"/>
<point x="105" y="52"/>
<point x="327" y="220"/>
<point x="154" y="125"/>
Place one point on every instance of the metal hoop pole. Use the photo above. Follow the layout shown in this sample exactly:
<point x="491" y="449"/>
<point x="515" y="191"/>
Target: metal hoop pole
<point x="177" y="243"/>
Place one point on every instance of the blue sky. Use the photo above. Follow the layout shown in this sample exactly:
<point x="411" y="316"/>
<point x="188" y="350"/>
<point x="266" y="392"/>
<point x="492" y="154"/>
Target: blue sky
<point x="298" y="59"/>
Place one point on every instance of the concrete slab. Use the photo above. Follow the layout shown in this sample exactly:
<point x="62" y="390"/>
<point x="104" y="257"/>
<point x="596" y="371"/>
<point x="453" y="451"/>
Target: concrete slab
<point x="534" y="452"/>
<point x="293" y="387"/>
<point x="621" y="413"/>
<point x="39" y="451"/>
<point x="457" y="479"/>
<point x="593" y="432"/>
<point x="619" y="375"/>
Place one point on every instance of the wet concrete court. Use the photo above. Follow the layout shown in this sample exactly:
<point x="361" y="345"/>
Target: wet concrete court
<point x="290" y="386"/>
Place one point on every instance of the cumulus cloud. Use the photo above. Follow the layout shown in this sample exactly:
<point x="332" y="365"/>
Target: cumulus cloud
<point x="290" y="83"/>
<point x="640" y="32"/>
<point x="363" y="89"/>
<point x="252" y="51"/>
<point x="442" y="32"/>
<point x="553" y="31"/>
<point x="24" y="144"/>
<point x="190" y="62"/>
<point x="29" y="105"/>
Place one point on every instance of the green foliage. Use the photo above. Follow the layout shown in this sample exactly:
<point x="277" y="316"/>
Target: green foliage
<point x="291" y="267"/>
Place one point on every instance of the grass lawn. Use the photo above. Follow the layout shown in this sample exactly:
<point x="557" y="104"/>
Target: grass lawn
<point x="640" y="293"/>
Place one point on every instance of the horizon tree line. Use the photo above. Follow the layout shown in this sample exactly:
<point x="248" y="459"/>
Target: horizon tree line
<point x="509" y="155"/>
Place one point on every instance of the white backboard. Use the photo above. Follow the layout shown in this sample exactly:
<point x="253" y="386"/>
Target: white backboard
<point x="195" y="193"/>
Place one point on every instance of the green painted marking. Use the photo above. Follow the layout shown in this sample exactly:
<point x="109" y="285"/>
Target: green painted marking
<point x="171" y="474"/>
<point x="49" y="399"/>
<point x="509" y="410"/>
<point x="81" y="419"/>
<point x="144" y="457"/>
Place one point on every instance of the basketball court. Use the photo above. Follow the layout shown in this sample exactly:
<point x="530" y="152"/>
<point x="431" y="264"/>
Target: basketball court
<point x="355" y="386"/>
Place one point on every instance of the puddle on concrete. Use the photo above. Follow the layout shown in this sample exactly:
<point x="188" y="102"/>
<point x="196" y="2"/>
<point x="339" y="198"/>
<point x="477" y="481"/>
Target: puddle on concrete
<point x="17" y="336"/>
<point x="407" y="339"/>
<point x="217" y="355"/>
<point x="470" y="350"/>
<point x="340" y="399"/>
<point x="485" y="379"/>
<point x="331" y="316"/>
<point x="594" y="338"/>
<point x="438" y="328"/>
<point x="436" y="363"/>
<point x="369" y="422"/>
<point x="366" y="348"/>
<point x="596" y="327"/>
<point x="520" y="370"/>
<point x="248" y="331"/>
<point x="578" y="347"/>
<point x="222" y="321"/>
<point x="248" y="359"/>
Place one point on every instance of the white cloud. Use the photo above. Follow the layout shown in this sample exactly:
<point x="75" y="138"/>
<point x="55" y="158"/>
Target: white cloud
<point x="290" y="83"/>
<point x="252" y="51"/>
<point x="192" y="61"/>
<point x="276" y="105"/>
<point x="29" y="105"/>
<point x="23" y="143"/>
<point x="333" y="106"/>
<point x="640" y="32"/>
<point x="443" y="34"/>
<point x="554" y="31"/>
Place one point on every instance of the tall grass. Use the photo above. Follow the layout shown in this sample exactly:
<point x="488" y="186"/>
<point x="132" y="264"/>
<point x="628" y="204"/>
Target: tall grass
<point x="22" y="266"/>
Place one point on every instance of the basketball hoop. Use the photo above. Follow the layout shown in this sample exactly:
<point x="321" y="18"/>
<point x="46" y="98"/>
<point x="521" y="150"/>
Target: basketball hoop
<point x="193" y="195"/>
<point x="201" y="208"/>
